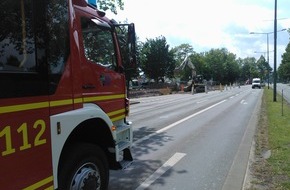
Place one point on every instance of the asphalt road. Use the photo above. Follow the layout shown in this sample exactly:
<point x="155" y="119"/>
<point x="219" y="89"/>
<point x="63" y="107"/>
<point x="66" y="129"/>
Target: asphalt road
<point x="285" y="88"/>
<point x="185" y="141"/>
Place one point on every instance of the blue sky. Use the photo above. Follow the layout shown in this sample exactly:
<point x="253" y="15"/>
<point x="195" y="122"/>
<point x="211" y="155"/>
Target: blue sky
<point x="207" y="24"/>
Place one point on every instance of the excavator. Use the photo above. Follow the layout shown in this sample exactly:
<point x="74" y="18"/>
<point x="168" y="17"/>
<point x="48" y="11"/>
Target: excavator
<point x="196" y="84"/>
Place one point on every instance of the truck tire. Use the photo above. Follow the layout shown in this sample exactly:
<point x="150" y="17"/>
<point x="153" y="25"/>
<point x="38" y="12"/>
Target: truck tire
<point x="83" y="166"/>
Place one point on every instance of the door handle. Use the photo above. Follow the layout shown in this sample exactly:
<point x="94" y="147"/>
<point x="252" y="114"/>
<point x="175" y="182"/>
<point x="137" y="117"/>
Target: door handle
<point x="88" y="86"/>
<point x="103" y="79"/>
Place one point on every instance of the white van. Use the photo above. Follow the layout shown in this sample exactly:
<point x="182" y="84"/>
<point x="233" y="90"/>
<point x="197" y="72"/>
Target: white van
<point x="256" y="83"/>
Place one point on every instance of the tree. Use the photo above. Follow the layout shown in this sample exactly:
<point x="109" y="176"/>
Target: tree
<point x="263" y="68"/>
<point x="156" y="60"/>
<point x="231" y="69"/>
<point x="249" y="69"/>
<point x="284" y="72"/>
<point x="215" y="60"/>
<point x="180" y="52"/>
<point x="111" y="5"/>
<point x="284" y="68"/>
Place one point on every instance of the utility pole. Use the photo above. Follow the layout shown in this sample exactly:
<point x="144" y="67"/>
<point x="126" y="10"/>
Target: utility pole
<point x="275" y="51"/>
<point x="275" y="55"/>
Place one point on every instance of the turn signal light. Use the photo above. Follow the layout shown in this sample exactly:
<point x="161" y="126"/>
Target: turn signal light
<point x="113" y="128"/>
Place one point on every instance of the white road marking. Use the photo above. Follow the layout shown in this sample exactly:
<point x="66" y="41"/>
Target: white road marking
<point x="199" y="102"/>
<point x="178" y="122"/>
<point x="244" y="102"/>
<point x="164" y="117"/>
<point x="160" y="171"/>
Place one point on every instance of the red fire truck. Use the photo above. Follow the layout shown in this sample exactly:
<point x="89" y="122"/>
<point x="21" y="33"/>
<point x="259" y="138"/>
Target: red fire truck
<point x="63" y="101"/>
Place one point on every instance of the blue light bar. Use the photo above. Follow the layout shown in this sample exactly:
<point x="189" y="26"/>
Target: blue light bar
<point x="92" y="2"/>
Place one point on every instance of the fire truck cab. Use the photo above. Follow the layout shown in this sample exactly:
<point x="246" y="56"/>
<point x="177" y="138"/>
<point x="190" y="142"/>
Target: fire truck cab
<point x="63" y="103"/>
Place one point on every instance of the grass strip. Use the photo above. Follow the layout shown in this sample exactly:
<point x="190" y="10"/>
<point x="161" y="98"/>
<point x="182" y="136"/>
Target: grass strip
<point x="278" y="139"/>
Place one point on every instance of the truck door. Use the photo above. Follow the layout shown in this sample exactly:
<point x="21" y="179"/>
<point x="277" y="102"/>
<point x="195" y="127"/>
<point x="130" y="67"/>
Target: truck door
<point x="99" y="62"/>
<point x="33" y="49"/>
<point x="25" y="148"/>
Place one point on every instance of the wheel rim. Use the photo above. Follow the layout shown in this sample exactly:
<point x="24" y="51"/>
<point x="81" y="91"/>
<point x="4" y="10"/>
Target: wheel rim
<point x="87" y="177"/>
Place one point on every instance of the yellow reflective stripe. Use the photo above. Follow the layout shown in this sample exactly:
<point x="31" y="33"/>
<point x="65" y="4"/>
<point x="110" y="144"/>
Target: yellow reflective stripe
<point x="23" y="107"/>
<point x="61" y="102"/>
<point x="39" y="184"/>
<point x="116" y="112"/>
<point x="112" y="114"/>
<point x="49" y="188"/>
<point x="118" y="118"/>
<point x="107" y="97"/>
<point x="78" y="100"/>
<point x="38" y="105"/>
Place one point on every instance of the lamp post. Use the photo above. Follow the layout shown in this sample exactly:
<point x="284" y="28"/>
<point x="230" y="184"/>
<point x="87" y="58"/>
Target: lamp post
<point x="267" y="34"/>
<point x="275" y="54"/>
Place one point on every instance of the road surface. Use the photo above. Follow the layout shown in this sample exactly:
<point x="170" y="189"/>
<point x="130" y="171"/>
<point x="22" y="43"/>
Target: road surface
<point x="185" y="141"/>
<point x="285" y="88"/>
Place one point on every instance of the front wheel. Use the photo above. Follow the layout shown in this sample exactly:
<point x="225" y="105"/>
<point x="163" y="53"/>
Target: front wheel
<point x="83" y="167"/>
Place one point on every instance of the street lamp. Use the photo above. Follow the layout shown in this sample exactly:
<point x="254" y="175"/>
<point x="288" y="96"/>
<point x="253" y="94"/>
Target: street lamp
<point x="267" y="33"/>
<point x="275" y="53"/>
<point x="261" y="52"/>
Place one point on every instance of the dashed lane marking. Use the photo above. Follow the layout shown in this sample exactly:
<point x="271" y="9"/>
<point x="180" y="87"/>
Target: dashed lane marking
<point x="160" y="171"/>
<point x="178" y="122"/>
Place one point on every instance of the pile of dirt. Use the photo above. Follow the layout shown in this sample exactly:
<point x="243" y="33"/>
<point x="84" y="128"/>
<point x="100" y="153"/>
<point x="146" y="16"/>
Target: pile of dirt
<point x="137" y="93"/>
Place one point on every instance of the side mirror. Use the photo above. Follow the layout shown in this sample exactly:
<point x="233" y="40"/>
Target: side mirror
<point x="132" y="44"/>
<point x="127" y="41"/>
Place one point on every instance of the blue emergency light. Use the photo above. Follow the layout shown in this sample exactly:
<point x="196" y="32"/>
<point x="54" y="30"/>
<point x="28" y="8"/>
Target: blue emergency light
<point x="92" y="2"/>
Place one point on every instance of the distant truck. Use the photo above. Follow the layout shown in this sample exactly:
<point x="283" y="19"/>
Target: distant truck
<point x="256" y="83"/>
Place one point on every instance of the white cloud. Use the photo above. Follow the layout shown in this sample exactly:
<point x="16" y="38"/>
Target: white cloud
<point x="209" y="23"/>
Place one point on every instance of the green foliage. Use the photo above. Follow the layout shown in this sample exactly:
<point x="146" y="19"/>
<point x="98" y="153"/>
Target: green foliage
<point x="111" y="5"/>
<point x="263" y="68"/>
<point x="284" y="68"/>
<point x="231" y="69"/>
<point x="180" y="52"/>
<point x="279" y="139"/>
<point x="218" y="65"/>
<point x="249" y="69"/>
<point x="198" y="60"/>
<point x="221" y="66"/>
<point x="156" y="60"/>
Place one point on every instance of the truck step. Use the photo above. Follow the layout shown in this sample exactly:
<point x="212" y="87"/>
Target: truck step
<point x="122" y="128"/>
<point x="122" y="145"/>
<point x="125" y="164"/>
